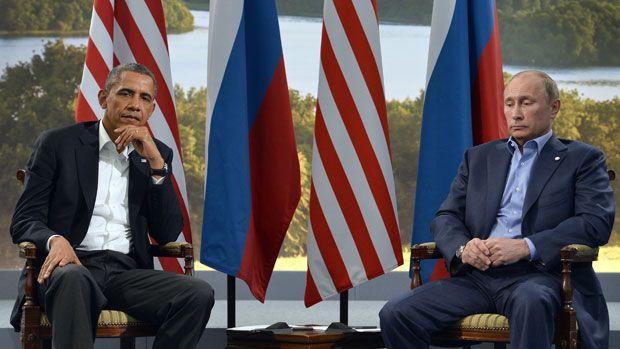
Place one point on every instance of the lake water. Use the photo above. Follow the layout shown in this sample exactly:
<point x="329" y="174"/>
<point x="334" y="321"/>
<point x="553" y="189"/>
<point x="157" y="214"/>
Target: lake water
<point x="404" y="51"/>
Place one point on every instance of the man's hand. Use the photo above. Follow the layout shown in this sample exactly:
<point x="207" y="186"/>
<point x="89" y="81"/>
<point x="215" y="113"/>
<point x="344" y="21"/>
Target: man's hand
<point x="506" y="251"/>
<point x="61" y="254"/>
<point x="142" y="141"/>
<point x="476" y="254"/>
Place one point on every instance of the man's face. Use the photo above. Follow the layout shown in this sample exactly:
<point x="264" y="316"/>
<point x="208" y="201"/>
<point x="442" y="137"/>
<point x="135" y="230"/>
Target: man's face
<point x="528" y="111"/>
<point x="129" y="102"/>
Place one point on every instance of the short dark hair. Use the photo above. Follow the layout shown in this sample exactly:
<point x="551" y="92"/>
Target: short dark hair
<point x="115" y="75"/>
<point x="551" y="88"/>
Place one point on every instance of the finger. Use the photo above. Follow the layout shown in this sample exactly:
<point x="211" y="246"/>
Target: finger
<point x="47" y="272"/>
<point x="483" y="247"/>
<point x="124" y="138"/>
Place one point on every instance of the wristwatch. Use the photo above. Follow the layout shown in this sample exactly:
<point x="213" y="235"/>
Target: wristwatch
<point x="459" y="251"/>
<point x="163" y="172"/>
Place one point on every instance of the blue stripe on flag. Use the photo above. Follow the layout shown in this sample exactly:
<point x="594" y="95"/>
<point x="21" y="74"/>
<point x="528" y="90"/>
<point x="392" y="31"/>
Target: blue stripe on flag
<point x="447" y="120"/>
<point x="253" y="60"/>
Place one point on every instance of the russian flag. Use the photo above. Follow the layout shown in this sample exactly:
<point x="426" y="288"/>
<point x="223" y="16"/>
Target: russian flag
<point x="463" y="105"/>
<point x="252" y="183"/>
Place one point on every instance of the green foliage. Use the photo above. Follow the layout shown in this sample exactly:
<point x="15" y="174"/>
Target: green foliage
<point x="566" y="33"/>
<point x="178" y="17"/>
<point x="27" y="16"/>
<point x="68" y="16"/>
<point x="405" y="123"/>
<point x="34" y="96"/>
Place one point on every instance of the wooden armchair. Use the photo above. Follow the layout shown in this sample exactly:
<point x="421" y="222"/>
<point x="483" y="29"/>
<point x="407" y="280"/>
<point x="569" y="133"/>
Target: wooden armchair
<point x="36" y="330"/>
<point x="494" y="327"/>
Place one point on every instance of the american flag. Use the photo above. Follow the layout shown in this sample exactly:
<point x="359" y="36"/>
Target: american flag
<point x="353" y="231"/>
<point x="121" y="32"/>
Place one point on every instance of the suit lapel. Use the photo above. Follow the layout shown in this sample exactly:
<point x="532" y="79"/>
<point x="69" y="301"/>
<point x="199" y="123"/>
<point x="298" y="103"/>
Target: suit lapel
<point x="548" y="161"/>
<point x="498" y="162"/>
<point x="138" y="172"/>
<point x="87" y="158"/>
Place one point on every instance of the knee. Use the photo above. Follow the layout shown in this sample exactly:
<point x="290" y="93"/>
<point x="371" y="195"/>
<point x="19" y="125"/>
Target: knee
<point x="69" y="274"/>
<point x="536" y="296"/>
<point x="201" y="293"/>
<point x="392" y="313"/>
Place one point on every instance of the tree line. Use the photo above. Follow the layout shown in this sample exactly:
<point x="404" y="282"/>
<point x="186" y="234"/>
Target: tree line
<point x="36" y="17"/>
<point x="40" y="94"/>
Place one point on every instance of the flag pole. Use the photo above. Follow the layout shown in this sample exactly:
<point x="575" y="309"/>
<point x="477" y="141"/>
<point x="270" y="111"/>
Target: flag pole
<point x="344" y="307"/>
<point x="230" y="301"/>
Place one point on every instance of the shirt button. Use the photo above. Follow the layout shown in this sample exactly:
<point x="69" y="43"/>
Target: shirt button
<point x="518" y="189"/>
<point x="510" y="230"/>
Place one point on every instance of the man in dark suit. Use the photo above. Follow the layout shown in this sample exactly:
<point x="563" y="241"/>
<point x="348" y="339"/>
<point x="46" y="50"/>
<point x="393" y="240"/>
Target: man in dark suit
<point x="92" y="193"/>
<point x="511" y="208"/>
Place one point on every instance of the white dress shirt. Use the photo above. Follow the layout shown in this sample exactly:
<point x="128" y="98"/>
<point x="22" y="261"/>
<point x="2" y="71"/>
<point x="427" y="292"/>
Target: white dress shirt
<point x="109" y="227"/>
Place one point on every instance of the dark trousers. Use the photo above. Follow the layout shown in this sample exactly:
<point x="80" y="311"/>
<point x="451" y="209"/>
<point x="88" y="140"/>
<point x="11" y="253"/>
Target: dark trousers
<point x="529" y="299"/>
<point x="178" y="305"/>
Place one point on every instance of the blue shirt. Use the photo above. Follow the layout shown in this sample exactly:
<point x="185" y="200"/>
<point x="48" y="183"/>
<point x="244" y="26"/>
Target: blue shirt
<point x="510" y="214"/>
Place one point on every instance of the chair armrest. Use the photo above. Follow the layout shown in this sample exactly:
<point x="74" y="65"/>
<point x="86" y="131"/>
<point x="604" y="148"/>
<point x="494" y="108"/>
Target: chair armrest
<point x="27" y="250"/>
<point x="172" y="249"/>
<point x="176" y="250"/>
<point x="427" y="250"/>
<point x="578" y="253"/>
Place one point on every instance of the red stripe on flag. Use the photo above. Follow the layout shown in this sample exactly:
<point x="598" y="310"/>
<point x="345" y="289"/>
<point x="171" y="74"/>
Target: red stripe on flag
<point x="365" y="59"/>
<point x="357" y="133"/>
<point x="275" y="179"/>
<point x="312" y="295"/>
<point x="187" y="228"/>
<point x="96" y="64"/>
<point x="374" y="7"/>
<point x="86" y="113"/>
<point x="327" y="245"/>
<point x="157" y="12"/>
<point x="488" y="122"/>
<point x="105" y="11"/>
<point x="142" y="54"/>
<point x="346" y="198"/>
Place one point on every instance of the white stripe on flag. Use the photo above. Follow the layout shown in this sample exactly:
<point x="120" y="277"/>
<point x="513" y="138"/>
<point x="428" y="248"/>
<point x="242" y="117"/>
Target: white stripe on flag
<point x="87" y="87"/>
<point x="359" y="90"/>
<point x="121" y="46"/>
<point x="355" y="175"/>
<point x="366" y="13"/>
<point x="223" y="29"/>
<point x="441" y="21"/>
<point x="100" y="37"/>
<point x="317" y="267"/>
<point x="336" y="221"/>
<point x="152" y="36"/>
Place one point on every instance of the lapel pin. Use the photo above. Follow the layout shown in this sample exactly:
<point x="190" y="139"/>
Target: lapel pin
<point x="557" y="158"/>
<point x="144" y="160"/>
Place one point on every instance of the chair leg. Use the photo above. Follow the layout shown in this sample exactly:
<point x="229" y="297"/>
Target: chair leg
<point x="499" y="346"/>
<point x="46" y="343"/>
<point x="128" y="343"/>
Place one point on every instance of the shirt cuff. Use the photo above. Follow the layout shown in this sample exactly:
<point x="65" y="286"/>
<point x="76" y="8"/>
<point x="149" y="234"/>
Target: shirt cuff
<point x="533" y="254"/>
<point x="47" y="244"/>
<point x="159" y="181"/>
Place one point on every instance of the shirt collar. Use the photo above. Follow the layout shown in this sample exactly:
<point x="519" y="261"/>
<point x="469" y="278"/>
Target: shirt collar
<point x="537" y="143"/>
<point x="104" y="138"/>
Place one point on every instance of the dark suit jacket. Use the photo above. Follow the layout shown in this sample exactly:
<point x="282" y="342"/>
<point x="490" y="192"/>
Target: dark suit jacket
<point x="568" y="200"/>
<point x="60" y="191"/>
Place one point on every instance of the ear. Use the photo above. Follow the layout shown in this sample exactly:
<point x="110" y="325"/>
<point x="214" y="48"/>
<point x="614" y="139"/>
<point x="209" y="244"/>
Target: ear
<point x="152" y="109"/>
<point x="555" y="108"/>
<point x="102" y="96"/>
